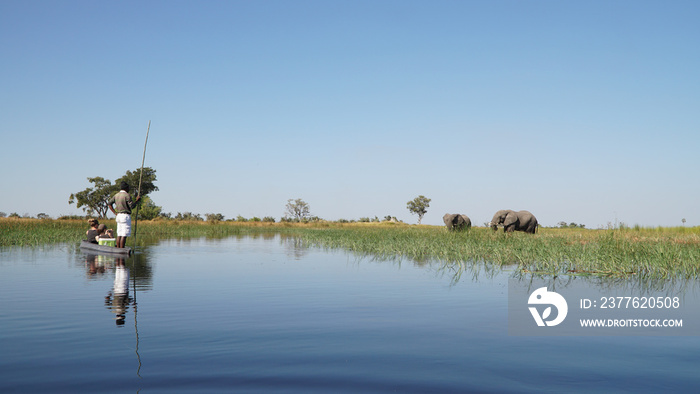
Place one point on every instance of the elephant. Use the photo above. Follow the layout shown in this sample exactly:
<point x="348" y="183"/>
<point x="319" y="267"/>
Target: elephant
<point x="514" y="221"/>
<point x="455" y="221"/>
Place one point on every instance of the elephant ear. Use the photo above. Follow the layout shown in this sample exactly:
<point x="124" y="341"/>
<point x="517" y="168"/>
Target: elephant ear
<point x="448" y="218"/>
<point x="511" y="218"/>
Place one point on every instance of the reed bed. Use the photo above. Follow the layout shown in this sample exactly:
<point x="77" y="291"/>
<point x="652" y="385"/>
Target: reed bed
<point x="32" y="232"/>
<point x="647" y="252"/>
<point x="644" y="252"/>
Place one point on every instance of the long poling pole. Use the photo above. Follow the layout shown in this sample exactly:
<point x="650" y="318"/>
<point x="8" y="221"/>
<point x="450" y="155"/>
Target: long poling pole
<point x="143" y="160"/>
<point x="136" y="327"/>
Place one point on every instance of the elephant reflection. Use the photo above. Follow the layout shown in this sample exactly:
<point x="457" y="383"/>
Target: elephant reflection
<point x="455" y="221"/>
<point x="514" y="221"/>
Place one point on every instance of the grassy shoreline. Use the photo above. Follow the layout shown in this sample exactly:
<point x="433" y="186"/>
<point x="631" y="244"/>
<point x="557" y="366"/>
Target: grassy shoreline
<point x="660" y="252"/>
<point x="653" y="252"/>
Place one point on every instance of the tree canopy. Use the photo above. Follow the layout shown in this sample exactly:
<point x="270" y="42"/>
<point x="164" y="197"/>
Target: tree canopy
<point x="297" y="209"/>
<point x="148" y="210"/>
<point x="147" y="181"/>
<point x="419" y="206"/>
<point x="93" y="200"/>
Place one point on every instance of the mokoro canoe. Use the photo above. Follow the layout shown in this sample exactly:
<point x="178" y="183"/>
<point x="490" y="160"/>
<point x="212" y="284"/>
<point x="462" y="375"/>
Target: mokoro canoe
<point x="85" y="245"/>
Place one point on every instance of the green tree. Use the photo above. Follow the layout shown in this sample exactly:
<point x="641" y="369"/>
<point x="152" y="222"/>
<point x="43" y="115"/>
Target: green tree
<point x="419" y="206"/>
<point x="93" y="200"/>
<point x="297" y="210"/>
<point x="148" y="210"/>
<point x="147" y="181"/>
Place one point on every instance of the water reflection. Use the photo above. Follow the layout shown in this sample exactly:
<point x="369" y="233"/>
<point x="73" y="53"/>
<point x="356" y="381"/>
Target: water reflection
<point x="99" y="265"/>
<point x="130" y="274"/>
<point x="118" y="300"/>
<point x="629" y="283"/>
<point x="294" y="246"/>
<point x="96" y="265"/>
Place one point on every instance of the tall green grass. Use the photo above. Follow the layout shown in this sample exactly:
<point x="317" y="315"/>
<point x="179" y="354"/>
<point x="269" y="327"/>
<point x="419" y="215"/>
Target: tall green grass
<point x="32" y="232"/>
<point x="647" y="252"/>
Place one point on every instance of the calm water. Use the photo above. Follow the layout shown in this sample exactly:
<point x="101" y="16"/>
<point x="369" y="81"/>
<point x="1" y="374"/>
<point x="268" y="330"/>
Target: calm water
<point x="266" y="315"/>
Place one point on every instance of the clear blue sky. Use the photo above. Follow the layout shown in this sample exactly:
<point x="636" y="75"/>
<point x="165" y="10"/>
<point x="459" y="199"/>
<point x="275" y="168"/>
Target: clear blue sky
<point x="581" y="111"/>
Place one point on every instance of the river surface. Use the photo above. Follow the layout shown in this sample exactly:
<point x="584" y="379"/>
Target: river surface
<point x="266" y="314"/>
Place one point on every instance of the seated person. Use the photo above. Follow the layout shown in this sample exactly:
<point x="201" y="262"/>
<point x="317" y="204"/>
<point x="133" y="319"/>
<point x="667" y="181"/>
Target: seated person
<point x="92" y="233"/>
<point x="101" y="229"/>
<point x="104" y="234"/>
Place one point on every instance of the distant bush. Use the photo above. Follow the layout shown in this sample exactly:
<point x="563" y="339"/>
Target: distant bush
<point x="570" y="225"/>
<point x="214" y="217"/>
<point x="268" y="219"/>
<point x="71" y="217"/>
<point x="188" y="216"/>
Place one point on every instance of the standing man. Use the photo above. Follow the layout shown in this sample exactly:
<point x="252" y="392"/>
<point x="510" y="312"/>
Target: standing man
<point x="123" y="212"/>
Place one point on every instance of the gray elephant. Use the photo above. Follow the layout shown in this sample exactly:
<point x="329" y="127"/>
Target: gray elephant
<point x="455" y="221"/>
<point x="514" y="221"/>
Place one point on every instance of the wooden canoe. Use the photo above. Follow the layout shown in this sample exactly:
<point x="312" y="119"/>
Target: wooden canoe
<point x="104" y="249"/>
